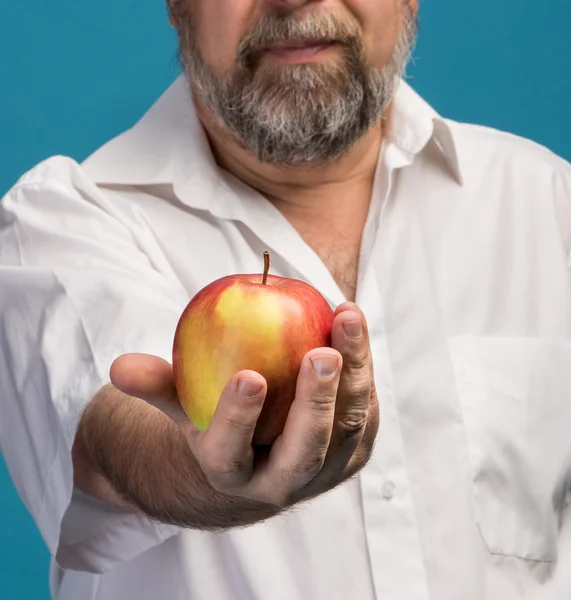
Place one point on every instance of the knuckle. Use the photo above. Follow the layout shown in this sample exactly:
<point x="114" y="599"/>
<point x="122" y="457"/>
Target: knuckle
<point x="358" y="386"/>
<point x="357" y="356"/>
<point x="353" y="422"/>
<point x="238" y="423"/>
<point x="222" y="472"/>
<point x="217" y="467"/>
<point x="310" y="468"/>
<point x="295" y="478"/>
<point x="324" y="396"/>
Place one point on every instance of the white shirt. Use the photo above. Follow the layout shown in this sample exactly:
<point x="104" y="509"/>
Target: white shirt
<point x="464" y="279"/>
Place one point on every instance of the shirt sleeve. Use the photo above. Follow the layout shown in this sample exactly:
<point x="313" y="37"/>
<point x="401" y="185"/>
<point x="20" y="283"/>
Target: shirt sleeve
<point x="562" y="203"/>
<point x="559" y="584"/>
<point x="80" y="284"/>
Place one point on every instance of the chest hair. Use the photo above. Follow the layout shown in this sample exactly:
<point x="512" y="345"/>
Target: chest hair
<point x="340" y="254"/>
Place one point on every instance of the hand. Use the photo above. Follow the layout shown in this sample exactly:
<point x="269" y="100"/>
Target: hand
<point x="328" y="436"/>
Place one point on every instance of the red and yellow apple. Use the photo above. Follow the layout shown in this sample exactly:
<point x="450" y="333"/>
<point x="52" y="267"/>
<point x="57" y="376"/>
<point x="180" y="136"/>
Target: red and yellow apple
<point x="258" y="322"/>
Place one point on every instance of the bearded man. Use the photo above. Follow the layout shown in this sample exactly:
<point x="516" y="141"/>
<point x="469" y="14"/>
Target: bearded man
<point x="427" y="452"/>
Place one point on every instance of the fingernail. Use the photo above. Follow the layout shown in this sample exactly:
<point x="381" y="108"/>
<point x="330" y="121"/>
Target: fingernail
<point x="353" y="329"/>
<point x="249" y="387"/>
<point x="325" y="366"/>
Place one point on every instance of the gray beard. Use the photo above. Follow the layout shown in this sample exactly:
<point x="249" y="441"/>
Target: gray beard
<point x="299" y="115"/>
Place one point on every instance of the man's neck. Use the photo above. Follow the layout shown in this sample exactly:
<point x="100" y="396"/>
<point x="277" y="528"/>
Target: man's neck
<point x="312" y="193"/>
<point x="327" y="205"/>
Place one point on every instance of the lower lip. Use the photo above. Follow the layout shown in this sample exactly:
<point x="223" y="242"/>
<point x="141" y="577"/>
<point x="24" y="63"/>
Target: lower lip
<point x="307" y="53"/>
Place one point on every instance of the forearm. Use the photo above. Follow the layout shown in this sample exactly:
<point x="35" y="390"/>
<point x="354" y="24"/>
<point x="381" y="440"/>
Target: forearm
<point x="128" y="452"/>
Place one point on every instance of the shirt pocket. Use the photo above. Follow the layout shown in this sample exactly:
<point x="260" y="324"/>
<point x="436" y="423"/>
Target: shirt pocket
<point x="515" y="395"/>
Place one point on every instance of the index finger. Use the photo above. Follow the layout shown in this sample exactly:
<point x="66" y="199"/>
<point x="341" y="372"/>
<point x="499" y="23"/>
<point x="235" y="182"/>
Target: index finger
<point x="225" y="450"/>
<point x="298" y="454"/>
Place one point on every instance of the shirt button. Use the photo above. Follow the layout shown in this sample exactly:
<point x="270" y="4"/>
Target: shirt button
<point x="389" y="490"/>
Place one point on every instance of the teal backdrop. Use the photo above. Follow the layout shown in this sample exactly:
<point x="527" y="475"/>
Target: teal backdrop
<point x="73" y="74"/>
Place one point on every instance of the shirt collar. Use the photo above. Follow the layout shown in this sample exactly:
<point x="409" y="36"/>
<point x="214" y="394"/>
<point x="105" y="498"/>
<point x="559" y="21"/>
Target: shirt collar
<point x="414" y="123"/>
<point x="169" y="145"/>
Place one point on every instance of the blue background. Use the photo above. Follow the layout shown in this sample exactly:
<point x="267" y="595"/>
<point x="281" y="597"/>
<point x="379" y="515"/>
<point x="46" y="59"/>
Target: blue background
<point x="73" y="74"/>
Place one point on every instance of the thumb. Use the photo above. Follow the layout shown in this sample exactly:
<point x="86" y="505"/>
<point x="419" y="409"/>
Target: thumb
<point x="151" y="379"/>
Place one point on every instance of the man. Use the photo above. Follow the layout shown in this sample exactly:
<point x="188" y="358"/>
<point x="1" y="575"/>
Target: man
<point x="444" y="249"/>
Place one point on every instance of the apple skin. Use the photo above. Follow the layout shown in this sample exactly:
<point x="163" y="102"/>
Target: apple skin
<point x="238" y="323"/>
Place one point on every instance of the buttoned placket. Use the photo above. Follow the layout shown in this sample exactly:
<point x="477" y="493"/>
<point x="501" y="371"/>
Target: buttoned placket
<point x="423" y="410"/>
<point x="397" y="569"/>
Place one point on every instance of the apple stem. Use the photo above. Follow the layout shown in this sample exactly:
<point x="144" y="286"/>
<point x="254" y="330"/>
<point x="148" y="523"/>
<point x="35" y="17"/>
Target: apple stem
<point x="266" y="267"/>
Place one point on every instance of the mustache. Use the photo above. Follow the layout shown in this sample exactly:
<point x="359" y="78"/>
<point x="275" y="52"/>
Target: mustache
<point x="317" y="28"/>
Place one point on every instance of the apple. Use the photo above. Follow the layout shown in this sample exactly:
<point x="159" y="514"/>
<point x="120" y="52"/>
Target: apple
<point x="258" y="322"/>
